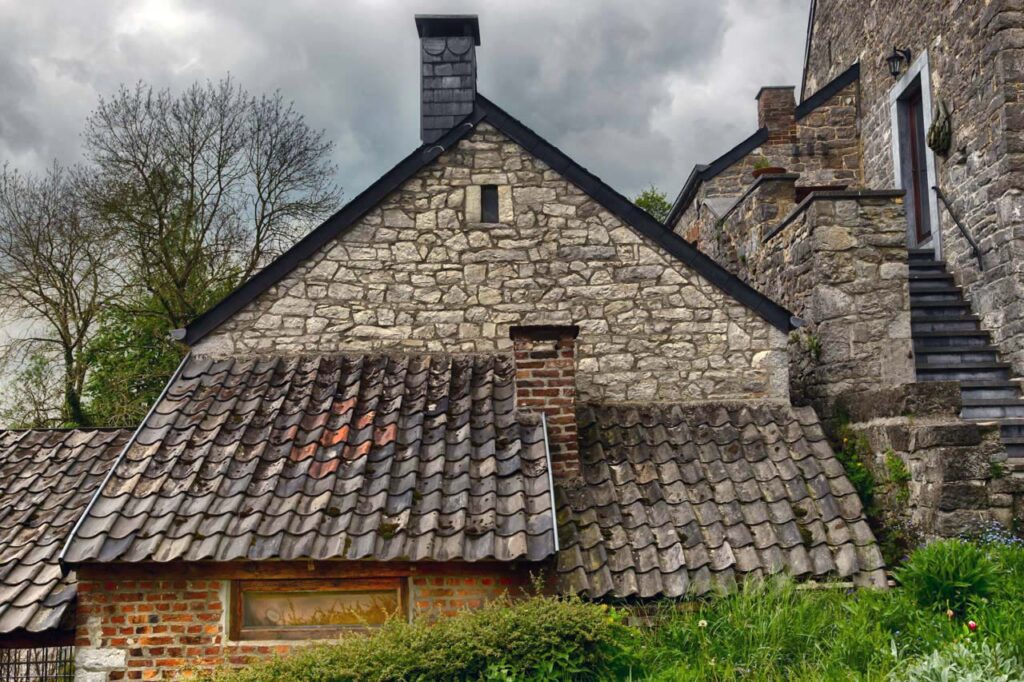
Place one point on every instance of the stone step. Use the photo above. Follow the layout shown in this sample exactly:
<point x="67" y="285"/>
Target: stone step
<point x="921" y="254"/>
<point x="939" y="283"/>
<point x="922" y="309"/>
<point x="992" y="409"/>
<point x="927" y="265"/>
<point x="946" y="295"/>
<point x="957" y="356"/>
<point x="924" y="276"/>
<point x="971" y="338"/>
<point x="941" y="324"/>
<point x="990" y="390"/>
<point x="979" y="371"/>
<point x="1011" y="428"/>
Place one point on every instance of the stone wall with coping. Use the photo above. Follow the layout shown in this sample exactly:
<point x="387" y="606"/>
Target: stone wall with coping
<point x="975" y="53"/>
<point x="958" y="481"/>
<point x="170" y="621"/>
<point x="839" y="262"/>
<point x="824" y="149"/>
<point x="417" y="273"/>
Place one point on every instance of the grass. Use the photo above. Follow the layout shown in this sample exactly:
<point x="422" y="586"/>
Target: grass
<point x="768" y="630"/>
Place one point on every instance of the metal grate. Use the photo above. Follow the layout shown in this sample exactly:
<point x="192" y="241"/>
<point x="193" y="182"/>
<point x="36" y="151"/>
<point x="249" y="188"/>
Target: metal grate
<point x="47" y="664"/>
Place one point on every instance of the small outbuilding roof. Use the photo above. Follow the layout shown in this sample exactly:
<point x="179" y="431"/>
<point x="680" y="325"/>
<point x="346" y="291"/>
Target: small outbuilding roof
<point x="679" y="499"/>
<point x="46" y="479"/>
<point x="378" y="457"/>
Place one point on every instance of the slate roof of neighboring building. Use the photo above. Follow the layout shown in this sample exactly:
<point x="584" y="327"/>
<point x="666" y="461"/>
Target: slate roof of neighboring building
<point x="419" y="457"/>
<point x="593" y="186"/>
<point x="46" y="479"/>
<point x="678" y="499"/>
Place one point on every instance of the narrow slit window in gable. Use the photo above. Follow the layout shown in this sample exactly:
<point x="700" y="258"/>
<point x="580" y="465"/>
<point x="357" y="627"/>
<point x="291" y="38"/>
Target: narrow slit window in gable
<point x="489" y="203"/>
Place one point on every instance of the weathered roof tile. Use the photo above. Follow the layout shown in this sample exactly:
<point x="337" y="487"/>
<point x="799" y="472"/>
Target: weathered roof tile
<point x="366" y="456"/>
<point x="678" y="499"/>
<point x="46" y="480"/>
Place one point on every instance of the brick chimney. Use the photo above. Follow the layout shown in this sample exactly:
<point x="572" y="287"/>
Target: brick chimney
<point x="776" y="109"/>
<point x="546" y="381"/>
<point x="448" y="71"/>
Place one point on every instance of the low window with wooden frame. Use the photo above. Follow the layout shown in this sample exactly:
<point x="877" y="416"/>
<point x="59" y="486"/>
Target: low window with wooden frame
<point x="312" y="609"/>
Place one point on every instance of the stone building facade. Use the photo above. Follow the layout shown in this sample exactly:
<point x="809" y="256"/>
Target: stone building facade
<point x="421" y="272"/>
<point x="865" y="195"/>
<point x="970" y="54"/>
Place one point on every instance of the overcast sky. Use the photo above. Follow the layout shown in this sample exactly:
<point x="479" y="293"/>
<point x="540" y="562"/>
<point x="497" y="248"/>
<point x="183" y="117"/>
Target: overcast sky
<point x="638" y="91"/>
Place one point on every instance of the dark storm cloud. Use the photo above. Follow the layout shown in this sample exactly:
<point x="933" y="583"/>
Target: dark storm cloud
<point x="636" y="91"/>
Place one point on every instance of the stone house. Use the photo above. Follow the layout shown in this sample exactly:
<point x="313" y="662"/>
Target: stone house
<point x="890" y="224"/>
<point x="490" y="366"/>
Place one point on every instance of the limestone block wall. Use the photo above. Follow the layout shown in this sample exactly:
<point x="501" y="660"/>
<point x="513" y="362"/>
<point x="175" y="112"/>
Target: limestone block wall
<point x="839" y="262"/>
<point x="976" y="59"/>
<point x="956" y="480"/>
<point x="420" y="272"/>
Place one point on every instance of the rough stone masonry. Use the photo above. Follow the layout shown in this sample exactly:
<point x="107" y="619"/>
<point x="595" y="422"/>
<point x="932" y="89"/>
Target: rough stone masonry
<point x="421" y="272"/>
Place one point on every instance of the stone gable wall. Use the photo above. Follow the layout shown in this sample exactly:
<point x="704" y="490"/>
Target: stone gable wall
<point x="419" y="273"/>
<point x="976" y="57"/>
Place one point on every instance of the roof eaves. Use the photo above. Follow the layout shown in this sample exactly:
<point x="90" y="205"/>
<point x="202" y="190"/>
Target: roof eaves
<point x="703" y="173"/>
<point x="636" y="217"/>
<point x="117" y="460"/>
<point x="331" y="228"/>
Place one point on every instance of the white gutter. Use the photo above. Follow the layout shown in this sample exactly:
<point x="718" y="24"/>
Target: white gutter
<point x="551" y="481"/>
<point x="88" y="508"/>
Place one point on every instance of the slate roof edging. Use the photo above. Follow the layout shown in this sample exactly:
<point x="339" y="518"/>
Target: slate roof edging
<point x="613" y="201"/>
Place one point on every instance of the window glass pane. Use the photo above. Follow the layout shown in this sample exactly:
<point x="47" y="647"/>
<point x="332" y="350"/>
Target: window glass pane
<point x="329" y="609"/>
<point x="489" y="203"/>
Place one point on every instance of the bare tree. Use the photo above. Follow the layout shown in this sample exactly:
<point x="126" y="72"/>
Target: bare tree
<point x="203" y="187"/>
<point x="53" y="280"/>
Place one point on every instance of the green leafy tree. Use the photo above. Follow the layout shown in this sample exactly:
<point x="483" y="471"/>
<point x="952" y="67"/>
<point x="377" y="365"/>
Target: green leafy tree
<point x="654" y="202"/>
<point x="130" y="359"/>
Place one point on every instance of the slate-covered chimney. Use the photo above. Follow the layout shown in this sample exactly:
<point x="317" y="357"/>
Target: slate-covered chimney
<point x="447" y="72"/>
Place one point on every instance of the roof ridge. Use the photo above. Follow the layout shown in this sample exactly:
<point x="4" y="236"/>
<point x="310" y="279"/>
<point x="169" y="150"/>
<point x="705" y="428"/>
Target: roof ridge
<point x="589" y="183"/>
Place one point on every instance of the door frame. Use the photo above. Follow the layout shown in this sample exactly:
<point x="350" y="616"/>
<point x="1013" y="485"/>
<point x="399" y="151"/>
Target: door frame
<point x="918" y="67"/>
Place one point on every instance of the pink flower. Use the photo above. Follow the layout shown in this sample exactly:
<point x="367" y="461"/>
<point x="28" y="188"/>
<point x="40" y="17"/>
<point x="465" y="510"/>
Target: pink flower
<point x="972" y="626"/>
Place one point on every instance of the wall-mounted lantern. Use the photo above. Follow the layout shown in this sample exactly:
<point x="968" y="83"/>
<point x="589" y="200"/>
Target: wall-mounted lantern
<point x="896" y="59"/>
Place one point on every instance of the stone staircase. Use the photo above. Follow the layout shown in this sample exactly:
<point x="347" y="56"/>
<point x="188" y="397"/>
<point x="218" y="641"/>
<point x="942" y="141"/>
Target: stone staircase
<point x="950" y="345"/>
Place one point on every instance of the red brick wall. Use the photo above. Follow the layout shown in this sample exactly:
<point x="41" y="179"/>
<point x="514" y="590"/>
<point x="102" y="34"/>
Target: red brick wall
<point x="546" y="381"/>
<point x="776" y="110"/>
<point x="156" y="622"/>
<point x="439" y="595"/>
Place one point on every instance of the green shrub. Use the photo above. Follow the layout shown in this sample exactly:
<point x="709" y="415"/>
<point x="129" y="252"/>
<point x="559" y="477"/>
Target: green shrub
<point x="970" y="661"/>
<point x="541" y="638"/>
<point x="948" y="574"/>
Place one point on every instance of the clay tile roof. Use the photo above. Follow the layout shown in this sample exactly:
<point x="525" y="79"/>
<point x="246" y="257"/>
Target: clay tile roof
<point x="329" y="457"/>
<point x="46" y="480"/>
<point x="679" y="499"/>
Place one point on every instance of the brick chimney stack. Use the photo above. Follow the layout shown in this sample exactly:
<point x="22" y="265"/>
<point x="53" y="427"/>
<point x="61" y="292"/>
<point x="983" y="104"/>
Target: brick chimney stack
<point x="447" y="71"/>
<point x="776" y="110"/>
<point x="546" y="381"/>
